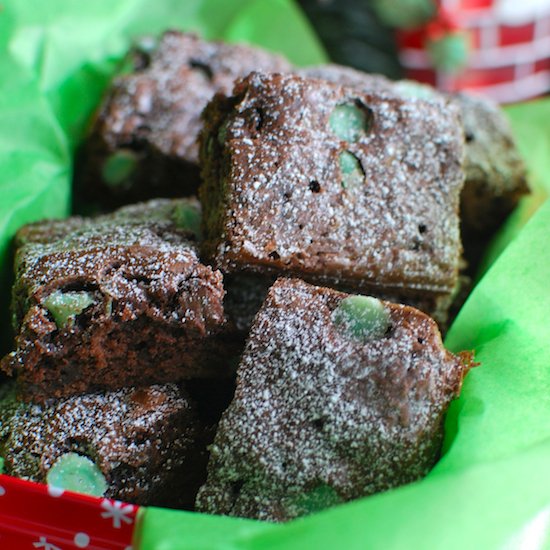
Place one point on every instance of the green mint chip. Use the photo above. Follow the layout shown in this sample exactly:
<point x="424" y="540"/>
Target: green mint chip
<point x="187" y="217"/>
<point x="119" y="166"/>
<point x="349" y="122"/>
<point x="352" y="172"/>
<point x="319" y="498"/>
<point x="74" y="472"/>
<point x="362" y="316"/>
<point x="65" y="306"/>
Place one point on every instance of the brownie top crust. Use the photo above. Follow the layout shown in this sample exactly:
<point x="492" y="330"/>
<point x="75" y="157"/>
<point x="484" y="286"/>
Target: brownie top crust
<point x="180" y="215"/>
<point x="494" y="170"/>
<point x="347" y="76"/>
<point x="332" y="184"/>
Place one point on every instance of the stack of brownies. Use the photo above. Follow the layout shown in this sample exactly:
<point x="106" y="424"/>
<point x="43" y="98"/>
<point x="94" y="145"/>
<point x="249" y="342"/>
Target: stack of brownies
<point x="280" y="329"/>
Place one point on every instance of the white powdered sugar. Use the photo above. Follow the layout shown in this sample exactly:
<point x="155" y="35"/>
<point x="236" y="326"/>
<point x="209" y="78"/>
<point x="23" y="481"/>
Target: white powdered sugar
<point x="317" y="407"/>
<point x="279" y="195"/>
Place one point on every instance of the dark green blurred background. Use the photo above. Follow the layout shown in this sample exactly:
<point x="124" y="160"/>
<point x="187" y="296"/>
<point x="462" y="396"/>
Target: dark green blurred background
<point x="352" y="35"/>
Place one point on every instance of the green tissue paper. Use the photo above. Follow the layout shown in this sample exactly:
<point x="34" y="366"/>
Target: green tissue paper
<point x="491" y="489"/>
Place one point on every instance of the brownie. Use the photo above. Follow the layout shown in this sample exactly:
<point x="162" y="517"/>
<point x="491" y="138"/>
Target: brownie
<point x="142" y="143"/>
<point x="496" y="176"/>
<point x="495" y="172"/>
<point x="307" y="178"/>
<point x="117" y="300"/>
<point x="338" y="396"/>
<point x="145" y="446"/>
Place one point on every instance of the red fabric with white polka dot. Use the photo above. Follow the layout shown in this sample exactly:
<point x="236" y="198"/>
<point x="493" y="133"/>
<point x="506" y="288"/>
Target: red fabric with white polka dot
<point x="34" y="516"/>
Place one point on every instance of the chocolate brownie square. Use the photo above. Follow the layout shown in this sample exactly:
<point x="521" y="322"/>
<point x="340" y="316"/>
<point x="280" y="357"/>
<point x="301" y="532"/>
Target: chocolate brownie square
<point x="304" y="177"/>
<point x="143" y="142"/>
<point x="116" y="300"/>
<point x="495" y="172"/>
<point x="338" y="396"/>
<point x="145" y="446"/>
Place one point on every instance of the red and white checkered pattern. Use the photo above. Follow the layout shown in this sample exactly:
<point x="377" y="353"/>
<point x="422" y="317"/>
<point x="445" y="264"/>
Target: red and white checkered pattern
<point x="510" y="49"/>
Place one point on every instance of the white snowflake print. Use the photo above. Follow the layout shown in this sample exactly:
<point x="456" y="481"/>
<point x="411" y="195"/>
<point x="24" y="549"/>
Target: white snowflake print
<point x="43" y="543"/>
<point x="117" y="511"/>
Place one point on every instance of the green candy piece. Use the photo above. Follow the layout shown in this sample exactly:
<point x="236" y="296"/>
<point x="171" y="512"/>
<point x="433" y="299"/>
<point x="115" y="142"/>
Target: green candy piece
<point x="449" y="53"/>
<point x="128" y="64"/>
<point x="65" y="306"/>
<point x="126" y="67"/>
<point x="404" y="14"/>
<point x="349" y="122"/>
<point x="210" y="145"/>
<point x="320" y="498"/>
<point x="352" y="173"/>
<point x="119" y="166"/>
<point x="362" y="317"/>
<point x="415" y="90"/>
<point x="187" y="217"/>
<point x="1" y="465"/>
<point x="74" y="472"/>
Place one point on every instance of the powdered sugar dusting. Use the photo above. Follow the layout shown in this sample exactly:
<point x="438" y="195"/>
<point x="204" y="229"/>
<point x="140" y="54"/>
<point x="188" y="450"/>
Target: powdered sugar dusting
<point x="399" y="230"/>
<point x="149" y="296"/>
<point x="162" y="103"/>
<point x="139" y="439"/>
<point x="494" y="170"/>
<point x="315" y="407"/>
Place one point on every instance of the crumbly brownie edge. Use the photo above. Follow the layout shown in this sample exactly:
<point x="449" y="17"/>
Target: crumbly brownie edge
<point x="200" y="324"/>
